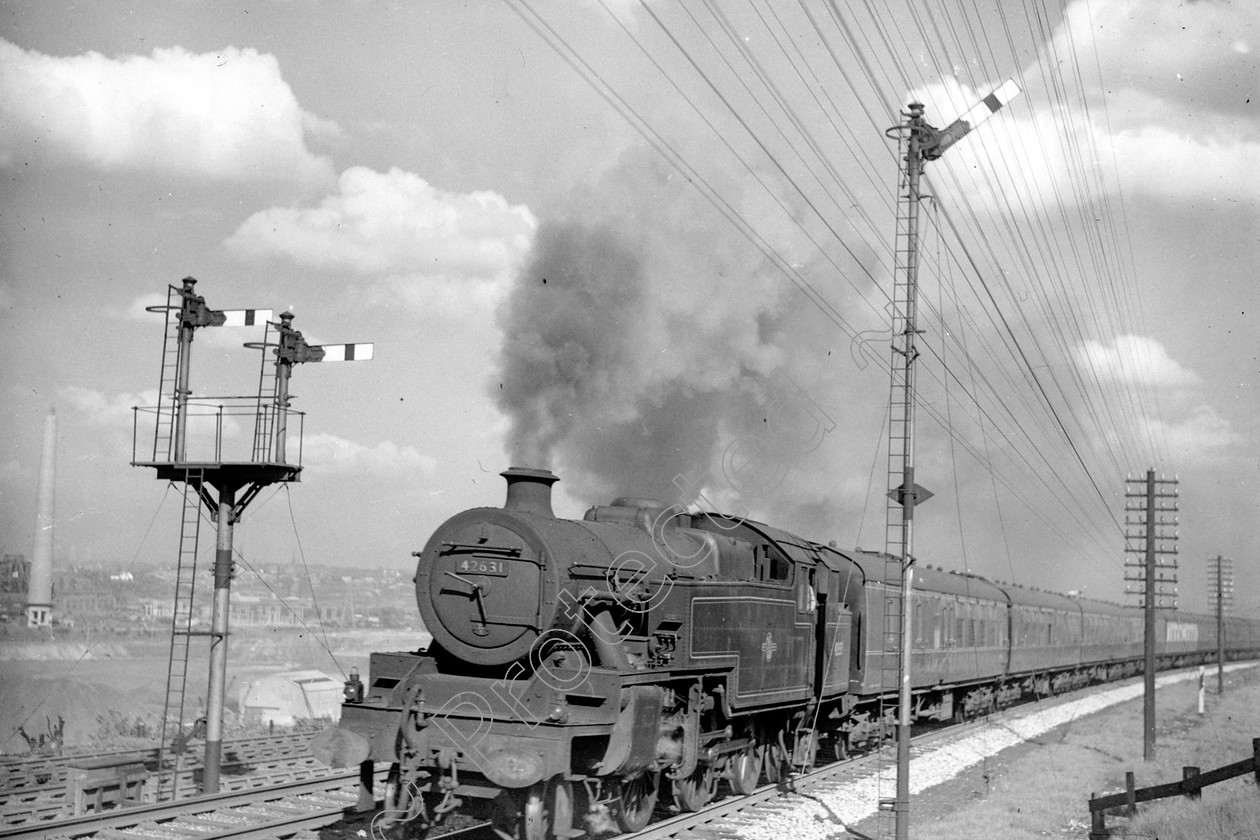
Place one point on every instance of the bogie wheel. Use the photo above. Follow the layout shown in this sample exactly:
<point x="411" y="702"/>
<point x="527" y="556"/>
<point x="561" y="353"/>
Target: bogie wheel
<point x="543" y="812"/>
<point x="637" y="800"/>
<point x="404" y="814"/>
<point x="506" y="817"/>
<point x="536" y="816"/>
<point x="744" y="770"/>
<point x="561" y="808"/>
<point x="695" y="791"/>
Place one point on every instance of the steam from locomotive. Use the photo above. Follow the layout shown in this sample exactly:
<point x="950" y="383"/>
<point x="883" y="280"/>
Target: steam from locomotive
<point x="626" y="359"/>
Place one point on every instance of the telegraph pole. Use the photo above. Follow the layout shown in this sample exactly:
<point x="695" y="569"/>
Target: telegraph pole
<point x="1221" y="580"/>
<point x="1155" y="585"/>
<point x="922" y="143"/>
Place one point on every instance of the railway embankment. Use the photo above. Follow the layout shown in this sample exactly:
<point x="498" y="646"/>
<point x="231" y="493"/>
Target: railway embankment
<point x="1029" y="772"/>
<point x="1032" y="777"/>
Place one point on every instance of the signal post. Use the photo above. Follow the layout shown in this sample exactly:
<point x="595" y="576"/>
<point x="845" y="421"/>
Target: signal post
<point x="922" y="143"/>
<point x="224" y="486"/>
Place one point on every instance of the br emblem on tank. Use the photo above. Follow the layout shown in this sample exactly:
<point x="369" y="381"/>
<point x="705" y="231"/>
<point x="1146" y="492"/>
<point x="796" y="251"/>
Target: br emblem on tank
<point x="768" y="647"/>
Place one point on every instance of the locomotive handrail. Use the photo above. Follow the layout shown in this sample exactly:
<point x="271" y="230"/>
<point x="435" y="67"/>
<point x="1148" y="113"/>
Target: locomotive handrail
<point x="509" y="550"/>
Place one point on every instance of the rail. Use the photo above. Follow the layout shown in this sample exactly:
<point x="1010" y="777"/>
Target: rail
<point x="122" y="818"/>
<point x="1191" y="787"/>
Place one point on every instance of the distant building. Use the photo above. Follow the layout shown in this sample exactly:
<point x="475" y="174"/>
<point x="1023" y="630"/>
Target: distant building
<point x="285" y="698"/>
<point x="15" y="574"/>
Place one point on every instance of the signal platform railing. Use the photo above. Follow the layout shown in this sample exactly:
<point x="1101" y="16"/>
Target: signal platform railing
<point x="218" y="430"/>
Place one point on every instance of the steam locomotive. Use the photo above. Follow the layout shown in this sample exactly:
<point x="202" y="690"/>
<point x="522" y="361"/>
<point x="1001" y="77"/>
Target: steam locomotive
<point x="582" y="669"/>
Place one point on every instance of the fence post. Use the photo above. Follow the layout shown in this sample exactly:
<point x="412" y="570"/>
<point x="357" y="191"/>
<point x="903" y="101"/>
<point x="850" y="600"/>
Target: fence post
<point x="1255" y="759"/>
<point x="1098" y="820"/>
<point x="1130" y="794"/>
<point x="1191" y="792"/>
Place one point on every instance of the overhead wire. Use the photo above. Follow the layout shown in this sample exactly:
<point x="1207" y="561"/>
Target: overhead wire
<point x="726" y="102"/>
<point x="1099" y="417"/>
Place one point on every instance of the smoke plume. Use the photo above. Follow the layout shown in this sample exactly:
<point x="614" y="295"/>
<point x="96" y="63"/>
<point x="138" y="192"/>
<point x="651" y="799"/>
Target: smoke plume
<point x="650" y="350"/>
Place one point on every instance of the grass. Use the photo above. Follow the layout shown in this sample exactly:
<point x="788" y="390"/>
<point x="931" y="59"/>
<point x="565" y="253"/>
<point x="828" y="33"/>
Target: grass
<point x="1237" y="817"/>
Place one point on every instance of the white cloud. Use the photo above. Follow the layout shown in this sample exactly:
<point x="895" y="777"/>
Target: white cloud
<point x="1134" y="360"/>
<point x="1152" y="108"/>
<point x="1203" y="433"/>
<point x="1179" y="165"/>
<point x="395" y="223"/>
<point x="224" y="116"/>
<point x="99" y="408"/>
<point x="1028" y="151"/>
<point x="336" y="454"/>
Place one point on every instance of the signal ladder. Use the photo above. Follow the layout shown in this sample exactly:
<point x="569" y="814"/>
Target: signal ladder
<point x="172" y="358"/>
<point x="173" y="744"/>
<point x="900" y="459"/>
<point x="265" y="415"/>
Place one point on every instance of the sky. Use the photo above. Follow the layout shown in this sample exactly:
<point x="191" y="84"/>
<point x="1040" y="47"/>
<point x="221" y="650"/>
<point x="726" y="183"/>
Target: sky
<point x="650" y="247"/>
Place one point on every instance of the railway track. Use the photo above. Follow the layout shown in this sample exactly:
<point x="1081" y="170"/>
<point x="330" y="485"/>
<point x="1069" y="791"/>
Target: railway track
<point x="19" y="771"/>
<point x="288" y="809"/>
<point x="35" y="789"/>
<point x="275" y="812"/>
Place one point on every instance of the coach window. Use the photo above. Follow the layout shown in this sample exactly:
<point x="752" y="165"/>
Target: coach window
<point x="938" y="615"/>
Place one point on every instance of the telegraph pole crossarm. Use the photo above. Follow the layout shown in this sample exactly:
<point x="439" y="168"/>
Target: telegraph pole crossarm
<point x="1158" y="586"/>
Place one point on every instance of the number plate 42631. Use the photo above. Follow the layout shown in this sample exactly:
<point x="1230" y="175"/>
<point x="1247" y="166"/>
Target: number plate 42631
<point x="481" y="566"/>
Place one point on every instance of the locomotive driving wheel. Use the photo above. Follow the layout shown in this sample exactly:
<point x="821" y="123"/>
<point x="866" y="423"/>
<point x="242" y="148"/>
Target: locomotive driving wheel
<point x="744" y="770"/>
<point x="696" y="790"/>
<point x="637" y="800"/>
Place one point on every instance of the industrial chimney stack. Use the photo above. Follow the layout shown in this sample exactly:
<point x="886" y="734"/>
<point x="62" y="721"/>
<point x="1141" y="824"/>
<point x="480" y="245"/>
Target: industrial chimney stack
<point x="39" y="590"/>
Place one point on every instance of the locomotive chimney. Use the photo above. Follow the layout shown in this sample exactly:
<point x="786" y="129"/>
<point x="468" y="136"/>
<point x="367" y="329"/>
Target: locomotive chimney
<point x="529" y="490"/>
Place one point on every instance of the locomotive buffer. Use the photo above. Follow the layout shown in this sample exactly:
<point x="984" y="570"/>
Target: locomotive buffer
<point x="922" y="143"/>
<point x="225" y="487"/>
